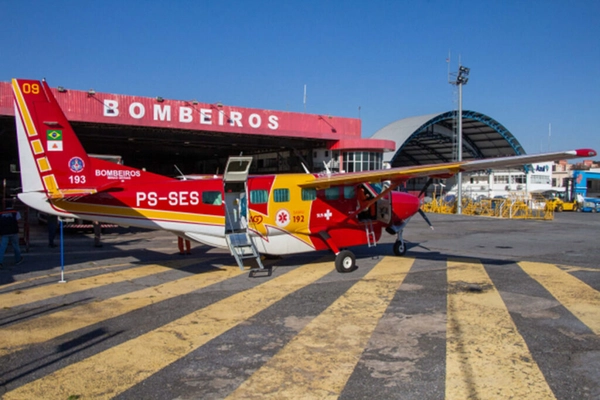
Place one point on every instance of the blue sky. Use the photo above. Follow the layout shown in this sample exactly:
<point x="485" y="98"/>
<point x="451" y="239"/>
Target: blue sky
<point x="533" y="63"/>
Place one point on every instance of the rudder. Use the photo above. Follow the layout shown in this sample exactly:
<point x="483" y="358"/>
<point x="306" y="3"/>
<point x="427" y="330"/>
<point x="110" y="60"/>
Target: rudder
<point x="50" y="155"/>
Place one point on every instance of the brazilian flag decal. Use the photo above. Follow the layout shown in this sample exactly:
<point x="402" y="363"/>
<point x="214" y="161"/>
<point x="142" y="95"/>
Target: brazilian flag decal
<point x="54" y="134"/>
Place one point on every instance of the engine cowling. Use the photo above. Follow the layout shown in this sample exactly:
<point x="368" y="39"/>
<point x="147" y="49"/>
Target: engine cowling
<point x="404" y="206"/>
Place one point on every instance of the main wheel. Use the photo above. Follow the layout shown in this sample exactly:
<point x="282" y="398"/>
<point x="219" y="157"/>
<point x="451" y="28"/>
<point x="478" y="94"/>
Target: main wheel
<point x="399" y="248"/>
<point x="345" y="261"/>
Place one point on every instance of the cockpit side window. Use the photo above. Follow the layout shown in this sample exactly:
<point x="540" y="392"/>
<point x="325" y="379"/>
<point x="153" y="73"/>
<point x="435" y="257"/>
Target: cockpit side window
<point x="309" y="194"/>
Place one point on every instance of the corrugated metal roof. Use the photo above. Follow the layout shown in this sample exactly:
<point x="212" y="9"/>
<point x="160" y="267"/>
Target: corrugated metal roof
<point x="431" y="139"/>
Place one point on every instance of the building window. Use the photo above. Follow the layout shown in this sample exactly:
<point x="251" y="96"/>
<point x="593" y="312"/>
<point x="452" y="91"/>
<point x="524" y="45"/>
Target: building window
<point x="355" y="161"/>
<point x="540" y="179"/>
<point x="501" y="179"/>
<point x="518" y="179"/>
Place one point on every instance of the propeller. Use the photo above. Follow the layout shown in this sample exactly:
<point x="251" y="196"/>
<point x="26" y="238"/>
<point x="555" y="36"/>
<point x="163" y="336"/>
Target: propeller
<point x="425" y="218"/>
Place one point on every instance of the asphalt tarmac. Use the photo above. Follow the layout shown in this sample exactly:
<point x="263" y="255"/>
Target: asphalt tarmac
<point x="478" y="308"/>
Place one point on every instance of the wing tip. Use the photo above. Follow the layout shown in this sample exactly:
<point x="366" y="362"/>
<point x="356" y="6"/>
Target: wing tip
<point x="586" y="153"/>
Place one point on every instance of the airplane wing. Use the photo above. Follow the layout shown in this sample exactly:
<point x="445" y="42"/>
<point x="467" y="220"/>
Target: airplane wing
<point x="399" y="175"/>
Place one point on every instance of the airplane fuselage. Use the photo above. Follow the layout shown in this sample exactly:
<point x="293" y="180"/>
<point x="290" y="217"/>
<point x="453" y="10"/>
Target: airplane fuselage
<point x="281" y="217"/>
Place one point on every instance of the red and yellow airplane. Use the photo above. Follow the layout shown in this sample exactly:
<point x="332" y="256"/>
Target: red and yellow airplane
<point x="249" y="215"/>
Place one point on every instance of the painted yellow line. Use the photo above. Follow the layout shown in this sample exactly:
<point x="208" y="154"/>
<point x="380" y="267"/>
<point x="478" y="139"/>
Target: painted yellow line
<point x="579" y="298"/>
<point x="25" y="296"/>
<point x="486" y="357"/>
<point x="569" y="268"/>
<point x="58" y="274"/>
<point x="115" y="370"/>
<point x="17" y="336"/>
<point x="319" y="360"/>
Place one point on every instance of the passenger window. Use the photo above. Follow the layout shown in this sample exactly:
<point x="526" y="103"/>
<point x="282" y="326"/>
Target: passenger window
<point x="259" y="196"/>
<point x="349" y="192"/>
<point x="212" y="198"/>
<point x="309" y="194"/>
<point x="332" y="193"/>
<point x="281" y="195"/>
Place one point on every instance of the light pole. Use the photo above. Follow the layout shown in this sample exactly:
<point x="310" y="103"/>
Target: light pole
<point x="461" y="79"/>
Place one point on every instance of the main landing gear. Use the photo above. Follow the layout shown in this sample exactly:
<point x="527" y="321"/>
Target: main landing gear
<point x="345" y="261"/>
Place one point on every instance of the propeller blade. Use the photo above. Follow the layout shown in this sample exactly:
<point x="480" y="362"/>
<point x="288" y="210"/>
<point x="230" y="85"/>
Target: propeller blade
<point x="425" y="218"/>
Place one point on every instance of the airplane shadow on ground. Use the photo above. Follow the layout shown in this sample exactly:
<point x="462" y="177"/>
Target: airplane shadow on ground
<point x="80" y="254"/>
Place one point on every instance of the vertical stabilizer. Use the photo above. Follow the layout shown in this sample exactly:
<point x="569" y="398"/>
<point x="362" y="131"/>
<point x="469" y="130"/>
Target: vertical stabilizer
<point x="50" y="154"/>
<point x="52" y="158"/>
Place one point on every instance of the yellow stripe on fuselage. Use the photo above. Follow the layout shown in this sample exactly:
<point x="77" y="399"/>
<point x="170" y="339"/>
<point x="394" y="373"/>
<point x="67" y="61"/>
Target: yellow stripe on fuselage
<point x="130" y="212"/>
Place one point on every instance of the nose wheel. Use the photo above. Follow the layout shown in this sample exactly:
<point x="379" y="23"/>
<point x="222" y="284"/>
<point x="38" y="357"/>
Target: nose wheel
<point x="345" y="261"/>
<point x="399" y="248"/>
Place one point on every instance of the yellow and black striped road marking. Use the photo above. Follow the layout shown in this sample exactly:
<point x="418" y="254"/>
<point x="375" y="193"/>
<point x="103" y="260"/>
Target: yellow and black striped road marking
<point x="486" y="353"/>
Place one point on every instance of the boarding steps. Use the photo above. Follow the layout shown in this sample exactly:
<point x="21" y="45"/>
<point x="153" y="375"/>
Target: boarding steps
<point x="370" y="232"/>
<point x="242" y="248"/>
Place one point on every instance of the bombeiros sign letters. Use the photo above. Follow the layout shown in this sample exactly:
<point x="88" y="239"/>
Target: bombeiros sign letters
<point x="188" y="115"/>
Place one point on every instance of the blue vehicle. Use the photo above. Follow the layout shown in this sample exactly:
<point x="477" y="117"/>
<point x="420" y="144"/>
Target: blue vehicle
<point x="590" y="205"/>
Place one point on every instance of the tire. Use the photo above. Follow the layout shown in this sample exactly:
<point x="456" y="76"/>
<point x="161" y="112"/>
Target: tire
<point x="345" y="261"/>
<point x="559" y="208"/>
<point x="399" y="248"/>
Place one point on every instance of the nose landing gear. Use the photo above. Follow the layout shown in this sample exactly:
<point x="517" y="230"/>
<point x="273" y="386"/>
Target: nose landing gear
<point x="399" y="248"/>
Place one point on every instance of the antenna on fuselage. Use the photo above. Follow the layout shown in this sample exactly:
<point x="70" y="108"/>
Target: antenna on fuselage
<point x="327" y="168"/>
<point x="183" y="178"/>
<point x="305" y="169"/>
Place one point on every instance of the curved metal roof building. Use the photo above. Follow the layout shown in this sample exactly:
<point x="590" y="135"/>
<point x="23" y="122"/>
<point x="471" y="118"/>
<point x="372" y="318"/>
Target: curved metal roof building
<point x="432" y="139"/>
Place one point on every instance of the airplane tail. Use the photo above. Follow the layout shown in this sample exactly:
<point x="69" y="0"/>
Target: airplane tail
<point x="51" y="157"/>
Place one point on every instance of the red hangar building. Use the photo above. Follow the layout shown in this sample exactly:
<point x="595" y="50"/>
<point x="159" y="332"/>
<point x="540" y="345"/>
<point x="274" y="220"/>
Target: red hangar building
<point x="167" y="136"/>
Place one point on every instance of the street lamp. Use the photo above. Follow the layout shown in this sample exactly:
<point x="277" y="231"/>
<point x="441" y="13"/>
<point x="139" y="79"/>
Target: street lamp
<point x="461" y="79"/>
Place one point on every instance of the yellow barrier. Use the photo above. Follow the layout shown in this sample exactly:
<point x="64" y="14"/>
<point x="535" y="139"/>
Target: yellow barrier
<point x="515" y="207"/>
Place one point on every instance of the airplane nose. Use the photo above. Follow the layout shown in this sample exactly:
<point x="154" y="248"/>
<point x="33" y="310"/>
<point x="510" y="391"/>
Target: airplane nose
<point x="405" y="205"/>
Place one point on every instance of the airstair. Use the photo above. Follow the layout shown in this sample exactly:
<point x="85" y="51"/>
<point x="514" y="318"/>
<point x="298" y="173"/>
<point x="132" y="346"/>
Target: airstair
<point x="242" y="248"/>
<point x="235" y="178"/>
<point x="370" y="232"/>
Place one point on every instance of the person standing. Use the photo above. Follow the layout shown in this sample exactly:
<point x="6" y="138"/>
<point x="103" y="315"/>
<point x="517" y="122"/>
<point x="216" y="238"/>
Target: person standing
<point x="9" y="233"/>
<point x="97" y="234"/>
<point x="188" y="246"/>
